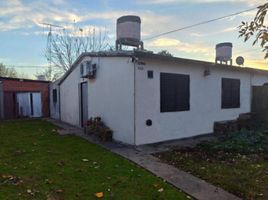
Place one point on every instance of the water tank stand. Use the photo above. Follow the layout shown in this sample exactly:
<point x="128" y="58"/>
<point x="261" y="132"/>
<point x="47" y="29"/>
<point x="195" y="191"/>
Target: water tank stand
<point x="219" y="61"/>
<point x="120" y="43"/>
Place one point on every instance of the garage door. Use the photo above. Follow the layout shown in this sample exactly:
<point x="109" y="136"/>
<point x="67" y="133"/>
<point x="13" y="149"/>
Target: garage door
<point x="29" y="104"/>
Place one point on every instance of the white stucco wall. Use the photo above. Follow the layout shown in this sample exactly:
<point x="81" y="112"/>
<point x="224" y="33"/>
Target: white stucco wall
<point x="205" y="101"/>
<point x="69" y="98"/>
<point x="111" y="96"/>
<point x="259" y="79"/>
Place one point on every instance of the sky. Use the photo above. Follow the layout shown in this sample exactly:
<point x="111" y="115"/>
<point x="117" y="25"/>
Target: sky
<point x="23" y="39"/>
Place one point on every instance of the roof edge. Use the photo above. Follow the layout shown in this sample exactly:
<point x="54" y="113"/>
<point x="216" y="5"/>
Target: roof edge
<point x="96" y="54"/>
<point x="151" y="55"/>
<point x="22" y="79"/>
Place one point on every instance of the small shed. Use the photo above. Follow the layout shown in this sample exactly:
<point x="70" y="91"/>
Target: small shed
<point x="20" y="98"/>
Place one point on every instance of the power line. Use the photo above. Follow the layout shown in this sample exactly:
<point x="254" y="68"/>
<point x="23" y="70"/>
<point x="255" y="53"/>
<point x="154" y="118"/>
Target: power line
<point x="49" y="44"/>
<point x="25" y="66"/>
<point x="201" y="23"/>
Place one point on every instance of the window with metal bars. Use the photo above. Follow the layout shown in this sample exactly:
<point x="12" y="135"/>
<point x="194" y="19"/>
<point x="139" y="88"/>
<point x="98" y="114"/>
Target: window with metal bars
<point x="230" y="93"/>
<point x="174" y="92"/>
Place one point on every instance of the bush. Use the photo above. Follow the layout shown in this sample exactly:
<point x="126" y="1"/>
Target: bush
<point x="97" y="127"/>
<point x="244" y="141"/>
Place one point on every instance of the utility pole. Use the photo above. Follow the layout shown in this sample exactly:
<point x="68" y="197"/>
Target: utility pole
<point x="49" y="42"/>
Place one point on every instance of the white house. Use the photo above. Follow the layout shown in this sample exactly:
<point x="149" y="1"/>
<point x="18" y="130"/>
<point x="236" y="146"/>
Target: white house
<point x="147" y="98"/>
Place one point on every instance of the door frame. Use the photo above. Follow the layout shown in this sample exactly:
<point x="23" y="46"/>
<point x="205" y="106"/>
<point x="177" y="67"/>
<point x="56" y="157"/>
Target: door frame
<point x="81" y="103"/>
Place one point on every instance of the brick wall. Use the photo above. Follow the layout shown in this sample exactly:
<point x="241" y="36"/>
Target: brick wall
<point x="16" y="85"/>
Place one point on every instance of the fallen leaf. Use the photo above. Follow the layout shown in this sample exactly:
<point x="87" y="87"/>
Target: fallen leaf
<point x="99" y="194"/>
<point x="61" y="163"/>
<point x="161" y="190"/>
<point x="47" y="181"/>
<point x="29" y="191"/>
<point x="85" y="160"/>
<point x="59" y="191"/>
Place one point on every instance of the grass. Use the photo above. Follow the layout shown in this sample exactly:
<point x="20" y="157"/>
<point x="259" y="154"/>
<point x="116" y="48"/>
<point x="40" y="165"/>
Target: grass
<point x="237" y="162"/>
<point x="37" y="163"/>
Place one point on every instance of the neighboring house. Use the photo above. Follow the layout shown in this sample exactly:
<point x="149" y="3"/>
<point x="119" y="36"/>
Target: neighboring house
<point x="21" y="98"/>
<point x="147" y="98"/>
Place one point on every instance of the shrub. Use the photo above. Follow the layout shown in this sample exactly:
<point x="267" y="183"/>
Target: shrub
<point x="243" y="141"/>
<point x="97" y="127"/>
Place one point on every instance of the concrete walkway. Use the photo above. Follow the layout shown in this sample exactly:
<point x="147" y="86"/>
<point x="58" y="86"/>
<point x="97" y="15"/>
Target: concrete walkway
<point x="186" y="182"/>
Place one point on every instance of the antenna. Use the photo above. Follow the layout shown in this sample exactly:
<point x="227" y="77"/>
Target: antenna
<point x="49" y="41"/>
<point x="240" y="60"/>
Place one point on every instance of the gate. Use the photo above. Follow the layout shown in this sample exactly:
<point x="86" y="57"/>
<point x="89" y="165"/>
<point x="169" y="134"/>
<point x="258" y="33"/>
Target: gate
<point x="260" y="102"/>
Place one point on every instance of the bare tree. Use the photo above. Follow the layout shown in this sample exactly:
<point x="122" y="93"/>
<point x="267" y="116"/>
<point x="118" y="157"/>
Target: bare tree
<point x="66" y="45"/>
<point x="258" y="28"/>
<point x="48" y="74"/>
<point x="7" y="72"/>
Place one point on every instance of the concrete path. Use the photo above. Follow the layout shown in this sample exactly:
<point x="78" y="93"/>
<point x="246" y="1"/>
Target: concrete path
<point x="186" y="182"/>
<point x="174" y="144"/>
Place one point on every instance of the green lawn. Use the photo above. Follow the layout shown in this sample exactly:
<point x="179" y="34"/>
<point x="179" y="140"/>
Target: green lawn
<point x="37" y="163"/>
<point x="237" y="162"/>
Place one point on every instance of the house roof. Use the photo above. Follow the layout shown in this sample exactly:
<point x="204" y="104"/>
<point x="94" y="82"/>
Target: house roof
<point x="22" y="79"/>
<point x="153" y="56"/>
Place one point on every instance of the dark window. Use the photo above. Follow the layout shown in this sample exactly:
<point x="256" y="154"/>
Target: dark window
<point x="82" y="69"/>
<point x="150" y="74"/>
<point x="174" y="92"/>
<point x="88" y="64"/>
<point x="230" y="93"/>
<point x="31" y="99"/>
<point x="54" y="95"/>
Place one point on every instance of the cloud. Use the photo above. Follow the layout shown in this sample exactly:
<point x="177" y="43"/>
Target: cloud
<point x="16" y="15"/>
<point x="208" y="34"/>
<point x="260" y="64"/>
<point x="158" y="1"/>
<point x="169" y="43"/>
<point x="249" y="2"/>
<point x="197" y="34"/>
<point x="4" y="60"/>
